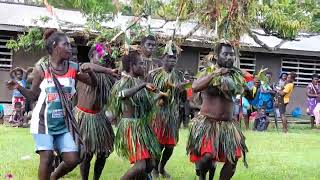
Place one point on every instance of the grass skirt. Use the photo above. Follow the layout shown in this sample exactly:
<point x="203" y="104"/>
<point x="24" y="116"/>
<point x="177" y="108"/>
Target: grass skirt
<point x="166" y="135"/>
<point x="135" y="140"/>
<point x="96" y="132"/>
<point x="223" y="139"/>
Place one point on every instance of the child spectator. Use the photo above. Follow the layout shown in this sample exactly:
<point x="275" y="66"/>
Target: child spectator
<point x="17" y="118"/>
<point x="261" y="121"/>
<point x="20" y="76"/>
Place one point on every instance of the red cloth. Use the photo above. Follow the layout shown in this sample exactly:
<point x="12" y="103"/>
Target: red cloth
<point x="21" y="100"/>
<point x="141" y="153"/>
<point x="189" y="94"/>
<point x="88" y="110"/>
<point x="248" y="77"/>
<point x="163" y="138"/>
<point x="206" y="147"/>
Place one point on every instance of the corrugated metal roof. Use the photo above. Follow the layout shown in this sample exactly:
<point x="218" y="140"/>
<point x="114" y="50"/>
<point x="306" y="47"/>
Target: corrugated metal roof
<point x="24" y="15"/>
<point x="305" y="42"/>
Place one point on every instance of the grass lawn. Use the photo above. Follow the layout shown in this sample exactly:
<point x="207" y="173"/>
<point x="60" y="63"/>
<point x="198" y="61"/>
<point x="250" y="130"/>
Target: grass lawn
<point x="272" y="156"/>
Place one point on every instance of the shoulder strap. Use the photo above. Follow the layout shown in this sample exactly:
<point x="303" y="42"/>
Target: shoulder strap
<point x="314" y="89"/>
<point x="70" y="121"/>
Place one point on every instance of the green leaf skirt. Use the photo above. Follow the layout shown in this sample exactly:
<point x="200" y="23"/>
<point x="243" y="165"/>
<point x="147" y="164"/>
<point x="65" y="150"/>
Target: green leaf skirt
<point x="223" y="139"/>
<point x="135" y="140"/>
<point x="96" y="132"/>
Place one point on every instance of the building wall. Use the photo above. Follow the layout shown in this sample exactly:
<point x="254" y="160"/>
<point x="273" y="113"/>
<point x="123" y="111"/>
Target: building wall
<point x="190" y="56"/>
<point x="189" y="59"/>
<point x="19" y="59"/>
<point x="273" y="62"/>
<point x="270" y="61"/>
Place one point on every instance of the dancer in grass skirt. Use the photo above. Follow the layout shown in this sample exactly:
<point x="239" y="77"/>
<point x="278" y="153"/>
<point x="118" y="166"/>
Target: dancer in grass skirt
<point x="166" y="124"/>
<point x="133" y="102"/>
<point x="214" y="134"/>
<point x="95" y="127"/>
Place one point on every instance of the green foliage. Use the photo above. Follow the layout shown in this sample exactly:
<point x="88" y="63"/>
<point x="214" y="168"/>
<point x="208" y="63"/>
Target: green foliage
<point x="95" y="10"/>
<point x="30" y="40"/>
<point x="44" y="19"/>
<point x="283" y="19"/>
<point x="232" y="18"/>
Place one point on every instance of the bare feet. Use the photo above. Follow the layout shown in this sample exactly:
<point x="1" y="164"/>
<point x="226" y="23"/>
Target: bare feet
<point x="165" y="175"/>
<point x="155" y="174"/>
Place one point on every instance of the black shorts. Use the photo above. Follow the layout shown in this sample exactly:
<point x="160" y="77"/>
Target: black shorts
<point x="282" y="108"/>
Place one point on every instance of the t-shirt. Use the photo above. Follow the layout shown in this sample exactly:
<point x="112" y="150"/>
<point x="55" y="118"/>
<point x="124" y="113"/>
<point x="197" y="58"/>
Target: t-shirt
<point x="48" y="114"/>
<point x="288" y="88"/>
<point x="17" y="93"/>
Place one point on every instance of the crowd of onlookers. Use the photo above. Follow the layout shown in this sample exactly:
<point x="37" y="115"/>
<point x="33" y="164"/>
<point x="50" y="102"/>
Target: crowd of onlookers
<point x="260" y="100"/>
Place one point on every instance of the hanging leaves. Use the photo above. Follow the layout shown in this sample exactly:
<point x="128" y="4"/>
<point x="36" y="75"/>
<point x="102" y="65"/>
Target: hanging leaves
<point x="29" y="41"/>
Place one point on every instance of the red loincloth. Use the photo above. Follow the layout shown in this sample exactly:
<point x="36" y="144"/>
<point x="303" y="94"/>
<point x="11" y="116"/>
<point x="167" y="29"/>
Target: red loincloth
<point x="206" y="147"/>
<point x="163" y="135"/>
<point x="141" y="153"/>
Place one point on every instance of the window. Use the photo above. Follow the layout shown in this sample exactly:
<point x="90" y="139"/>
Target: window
<point x="304" y="68"/>
<point x="5" y="53"/>
<point x="248" y="61"/>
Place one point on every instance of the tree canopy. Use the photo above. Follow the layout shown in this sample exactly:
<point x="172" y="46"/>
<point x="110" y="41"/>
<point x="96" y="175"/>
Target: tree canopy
<point x="229" y="18"/>
<point x="225" y="19"/>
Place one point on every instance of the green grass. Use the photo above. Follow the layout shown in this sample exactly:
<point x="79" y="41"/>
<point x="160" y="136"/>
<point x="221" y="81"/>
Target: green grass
<point x="272" y="156"/>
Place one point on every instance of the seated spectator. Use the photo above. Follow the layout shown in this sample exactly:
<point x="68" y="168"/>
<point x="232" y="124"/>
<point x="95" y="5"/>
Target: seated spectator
<point x="17" y="117"/>
<point x="261" y="121"/>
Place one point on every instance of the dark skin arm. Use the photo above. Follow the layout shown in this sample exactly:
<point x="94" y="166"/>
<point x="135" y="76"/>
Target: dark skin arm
<point x="132" y="91"/>
<point x="100" y="69"/>
<point x="29" y="71"/>
<point x="12" y="73"/>
<point x="311" y="94"/>
<point x="25" y="73"/>
<point x="202" y="83"/>
<point x="86" y="75"/>
<point x="32" y="93"/>
<point x="127" y="93"/>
